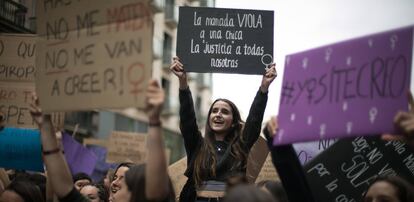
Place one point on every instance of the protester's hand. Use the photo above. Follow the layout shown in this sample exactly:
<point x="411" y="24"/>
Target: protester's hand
<point x="36" y="112"/>
<point x="272" y="126"/>
<point x="268" y="77"/>
<point x="155" y="100"/>
<point x="178" y="68"/>
<point x="404" y="125"/>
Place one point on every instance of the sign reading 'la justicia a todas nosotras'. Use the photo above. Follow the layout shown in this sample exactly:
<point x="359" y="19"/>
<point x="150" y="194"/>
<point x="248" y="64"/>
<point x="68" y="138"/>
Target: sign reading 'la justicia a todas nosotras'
<point x="225" y="40"/>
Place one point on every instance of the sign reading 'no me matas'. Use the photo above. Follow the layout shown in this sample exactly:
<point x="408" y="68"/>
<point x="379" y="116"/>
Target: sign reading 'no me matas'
<point x="225" y="40"/>
<point x="93" y="54"/>
<point x="346" y="89"/>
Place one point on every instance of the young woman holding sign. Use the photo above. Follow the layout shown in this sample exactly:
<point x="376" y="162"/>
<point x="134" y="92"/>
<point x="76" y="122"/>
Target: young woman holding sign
<point x="224" y="149"/>
<point x="138" y="184"/>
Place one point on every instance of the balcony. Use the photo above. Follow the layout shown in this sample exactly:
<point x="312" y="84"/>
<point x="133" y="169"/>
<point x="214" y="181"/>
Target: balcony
<point x="171" y="14"/>
<point x="158" y="5"/>
<point x="12" y="17"/>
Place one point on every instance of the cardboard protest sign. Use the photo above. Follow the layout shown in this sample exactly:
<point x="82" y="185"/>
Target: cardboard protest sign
<point x="349" y="88"/>
<point x="225" y="40"/>
<point x="306" y="151"/>
<point x="15" y="98"/>
<point x="93" y="54"/>
<point x="94" y="141"/>
<point x="17" y="57"/>
<point x="126" y="146"/>
<point x="176" y="173"/>
<point x="352" y="164"/>
<point x="268" y="171"/>
<point x="20" y="149"/>
<point x="79" y="158"/>
<point x="256" y="159"/>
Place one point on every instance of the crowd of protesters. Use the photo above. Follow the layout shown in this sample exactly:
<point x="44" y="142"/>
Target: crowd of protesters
<point x="216" y="159"/>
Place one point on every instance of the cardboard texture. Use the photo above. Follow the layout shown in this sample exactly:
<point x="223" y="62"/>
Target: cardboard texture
<point x="93" y="58"/>
<point x="256" y="159"/>
<point x="126" y="146"/>
<point x="15" y="99"/>
<point x="176" y="172"/>
<point x="17" y="57"/>
<point x="94" y="141"/>
<point x="225" y="40"/>
<point x="268" y="171"/>
<point x="350" y="88"/>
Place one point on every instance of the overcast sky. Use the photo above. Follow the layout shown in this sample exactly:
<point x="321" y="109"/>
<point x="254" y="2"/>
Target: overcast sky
<point x="305" y="24"/>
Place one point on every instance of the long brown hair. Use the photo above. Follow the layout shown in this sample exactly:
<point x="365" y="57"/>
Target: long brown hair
<point x="205" y="162"/>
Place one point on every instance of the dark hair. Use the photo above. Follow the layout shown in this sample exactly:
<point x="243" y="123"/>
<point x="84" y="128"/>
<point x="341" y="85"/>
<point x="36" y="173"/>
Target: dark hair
<point x="248" y="193"/>
<point x="275" y="188"/>
<point x="27" y="190"/>
<point x="206" y="161"/>
<point x="135" y="180"/>
<point x="124" y="164"/>
<point x="102" y="191"/>
<point x="404" y="189"/>
<point x="35" y="178"/>
<point x="81" y="176"/>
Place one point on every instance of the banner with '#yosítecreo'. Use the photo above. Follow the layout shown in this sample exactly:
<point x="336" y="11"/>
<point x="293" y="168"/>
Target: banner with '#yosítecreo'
<point x="225" y="40"/>
<point x="351" y="88"/>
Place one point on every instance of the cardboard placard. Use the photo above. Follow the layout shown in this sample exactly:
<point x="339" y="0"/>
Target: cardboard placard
<point x="352" y="164"/>
<point x="268" y="171"/>
<point x="15" y="99"/>
<point x="20" y="149"/>
<point x="17" y="57"/>
<point x="94" y="141"/>
<point x="126" y="146"/>
<point x="256" y="159"/>
<point x="93" y="54"/>
<point x="344" y="89"/>
<point x="176" y="173"/>
<point x="225" y="40"/>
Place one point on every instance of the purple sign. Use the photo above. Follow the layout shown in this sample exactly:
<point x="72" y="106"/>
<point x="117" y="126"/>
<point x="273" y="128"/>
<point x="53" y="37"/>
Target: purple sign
<point x="79" y="158"/>
<point x="351" y="88"/>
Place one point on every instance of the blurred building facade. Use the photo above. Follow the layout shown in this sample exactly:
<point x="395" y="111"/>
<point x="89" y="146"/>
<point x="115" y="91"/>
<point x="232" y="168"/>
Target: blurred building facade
<point x="19" y="16"/>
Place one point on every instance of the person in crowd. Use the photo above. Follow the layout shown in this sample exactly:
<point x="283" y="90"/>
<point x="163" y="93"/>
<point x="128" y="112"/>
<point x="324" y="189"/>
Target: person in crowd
<point x="95" y="192"/>
<point x="227" y="141"/>
<point x="149" y="182"/>
<point x="389" y="189"/>
<point x="275" y="188"/>
<point x="288" y="166"/>
<point x="4" y="180"/>
<point x="135" y="183"/>
<point x="119" y="177"/>
<point x="157" y="186"/>
<point x="106" y="181"/>
<point x="22" y="191"/>
<point x="80" y="180"/>
<point x="248" y="193"/>
<point x="404" y="125"/>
